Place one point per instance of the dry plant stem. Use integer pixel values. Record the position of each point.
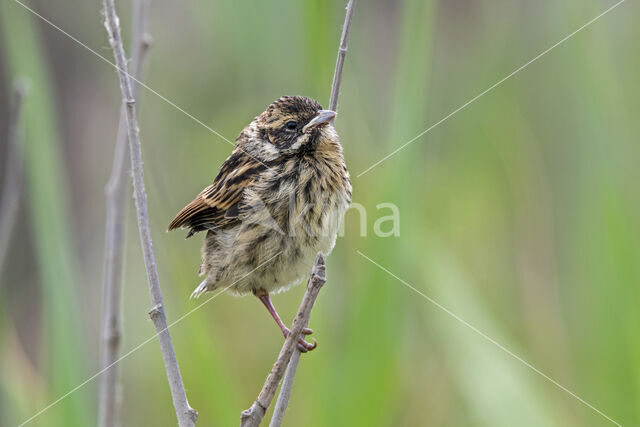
(253, 416)
(185, 414)
(285, 390)
(116, 205)
(289, 377)
(13, 173)
(342, 52)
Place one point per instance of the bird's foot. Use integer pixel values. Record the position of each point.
(201, 289)
(303, 345)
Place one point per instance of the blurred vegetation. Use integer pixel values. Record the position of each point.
(519, 213)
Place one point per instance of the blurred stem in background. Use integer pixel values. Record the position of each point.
(14, 167)
(64, 354)
(9, 207)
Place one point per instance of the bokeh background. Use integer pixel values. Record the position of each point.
(519, 213)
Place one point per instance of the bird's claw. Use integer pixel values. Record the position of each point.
(303, 345)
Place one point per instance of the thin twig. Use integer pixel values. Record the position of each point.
(13, 173)
(342, 52)
(116, 206)
(292, 367)
(285, 390)
(186, 415)
(253, 416)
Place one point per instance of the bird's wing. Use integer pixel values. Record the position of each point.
(217, 205)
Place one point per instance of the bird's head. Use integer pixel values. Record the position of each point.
(290, 124)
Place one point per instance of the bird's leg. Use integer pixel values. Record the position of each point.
(303, 345)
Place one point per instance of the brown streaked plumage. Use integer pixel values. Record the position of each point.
(277, 201)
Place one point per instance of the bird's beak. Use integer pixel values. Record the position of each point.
(323, 116)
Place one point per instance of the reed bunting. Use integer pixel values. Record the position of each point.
(277, 201)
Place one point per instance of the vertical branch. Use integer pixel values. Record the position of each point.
(116, 203)
(185, 414)
(292, 367)
(13, 173)
(253, 416)
(342, 53)
(285, 390)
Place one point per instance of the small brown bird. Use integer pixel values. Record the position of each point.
(277, 201)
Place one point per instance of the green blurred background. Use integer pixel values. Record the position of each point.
(520, 213)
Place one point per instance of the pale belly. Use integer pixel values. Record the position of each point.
(261, 254)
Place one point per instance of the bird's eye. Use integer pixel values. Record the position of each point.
(291, 125)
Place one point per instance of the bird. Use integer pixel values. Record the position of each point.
(276, 202)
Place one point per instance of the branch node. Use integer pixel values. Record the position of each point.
(113, 339)
(192, 414)
(156, 311)
(146, 41)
